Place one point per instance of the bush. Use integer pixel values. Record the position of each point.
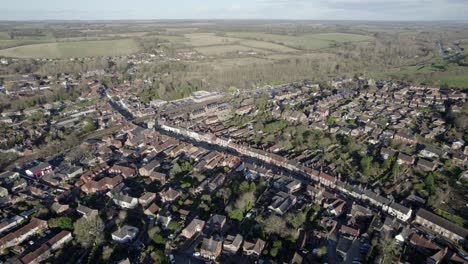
(61, 222)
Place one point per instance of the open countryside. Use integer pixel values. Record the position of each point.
(73, 49)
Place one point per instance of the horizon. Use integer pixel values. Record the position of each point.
(338, 10)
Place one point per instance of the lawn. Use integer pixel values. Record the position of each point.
(226, 49)
(307, 41)
(73, 49)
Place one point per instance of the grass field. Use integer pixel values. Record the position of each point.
(227, 49)
(73, 49)
(267, 46)
(456, 81)
(170, 38)
(228, 64)
(308, 41)
(342, 37)
(4, 35)
(208, 39)
(465, 46)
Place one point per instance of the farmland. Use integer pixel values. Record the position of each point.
(73, 49)
(207, 39)
(221, 50)
(306, 41)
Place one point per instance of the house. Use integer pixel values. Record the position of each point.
(125, 172)
(148, 168)
(282, 202)
(343, 246)
(232, 244)
(3, 192)
(216, 182)
(59, 208)
(399, 211)
(69, 172)
(125, 234)
(349, 231)
(195, 226)
(170, 195)
(14, 238)
(9, 177)
(376, 200)
(19, 185)
(146, 198)
(440, 226)
(422, 242)
(39, 170)
(86, 212)
(152, 210)
(315, 192)
(405, 159)
(216, 222)
(387, 153)
(46, 249)
(286, 184)
(254, 249)
(426, 165)
(157, 176)
(164, 220)
(10, 223)
(405, 137)
(103, 184)
(431, 151)
(123, 200)
(244, 110)
(210, 248)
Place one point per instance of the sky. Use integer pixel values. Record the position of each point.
(385, 10)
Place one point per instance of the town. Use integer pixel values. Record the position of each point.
(349, 171)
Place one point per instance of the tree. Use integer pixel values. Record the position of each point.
(154, 234)
(245, 201)
(244, 187)
(61, 222)
(395, 171)
(296, 219)
(89, 232)
(225, 194)
(389, 249)
(175, 170)
(158, 257)
(366, 165)
(90, 126)
(252, 187)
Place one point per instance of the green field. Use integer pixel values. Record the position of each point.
(73, 49)
(456, 81)
(267, 46)
(342, 37)
(4, 35)
(227, 49)
(308, 41)
(208, 39)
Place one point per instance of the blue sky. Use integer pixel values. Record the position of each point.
(235, 9)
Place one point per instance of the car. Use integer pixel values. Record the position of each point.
(171, 258)
(196, 254)
(31, 242)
